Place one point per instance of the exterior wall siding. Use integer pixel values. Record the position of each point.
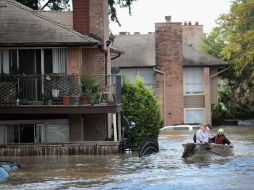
(207, 93)
(195, 101)
(169, 59)
(214, 86)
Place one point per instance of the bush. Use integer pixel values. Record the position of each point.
(140, 106)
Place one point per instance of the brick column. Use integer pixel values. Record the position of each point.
(169, 59)
(207, 93)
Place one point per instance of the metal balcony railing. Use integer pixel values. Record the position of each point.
(59, 89)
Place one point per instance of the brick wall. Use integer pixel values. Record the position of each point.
(169, 58)
(99, 22)
(91, 17)
(81, 19)
(74, 60)
(192, 35)
(93, 61)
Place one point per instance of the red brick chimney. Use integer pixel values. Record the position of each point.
(81, 16)
(91, 17)
(169, 59)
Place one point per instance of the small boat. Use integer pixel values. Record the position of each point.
(206, 151)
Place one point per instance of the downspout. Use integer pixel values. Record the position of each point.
(164, 93)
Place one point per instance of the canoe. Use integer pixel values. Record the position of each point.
(206, 151)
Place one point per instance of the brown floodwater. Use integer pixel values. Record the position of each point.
(164, 170)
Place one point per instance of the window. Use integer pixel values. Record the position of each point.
(147, 74)
(59, 60)
(193, 81)
(51, 132)
(57, 132)
(4, 62)
(194, 115)
(129, 74)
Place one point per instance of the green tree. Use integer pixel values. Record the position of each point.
(64, 5)
(233, 41)
(141, 107)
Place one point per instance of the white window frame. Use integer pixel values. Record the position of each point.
(190, 109)
(184, 80)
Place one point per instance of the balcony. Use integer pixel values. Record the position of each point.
(59, 94)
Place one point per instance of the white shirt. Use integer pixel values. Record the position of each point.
(202, 136)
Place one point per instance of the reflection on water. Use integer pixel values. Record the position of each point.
(164, 170)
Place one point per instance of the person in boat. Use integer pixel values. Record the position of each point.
(220, 138)
(201, 136)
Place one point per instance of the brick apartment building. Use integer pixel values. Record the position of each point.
(184, 80)
(46, 51)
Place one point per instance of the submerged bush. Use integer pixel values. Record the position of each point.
(141, 107)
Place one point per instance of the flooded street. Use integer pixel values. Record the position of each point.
(164, 170)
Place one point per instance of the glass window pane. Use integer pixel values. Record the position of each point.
(148, 76)
(59, 56)
(193, 80)
(129, 74)
(56, 132)
(194, 116)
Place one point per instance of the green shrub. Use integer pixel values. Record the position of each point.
(141, 107)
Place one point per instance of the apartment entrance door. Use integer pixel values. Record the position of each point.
(27, 133)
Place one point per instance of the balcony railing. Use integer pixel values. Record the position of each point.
(59, 89)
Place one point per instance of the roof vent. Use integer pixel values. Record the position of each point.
(124, 33)
(168, 18)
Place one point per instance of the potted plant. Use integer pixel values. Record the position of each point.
(90, 88)
(66, 98)
(66, 94)
(47, 98)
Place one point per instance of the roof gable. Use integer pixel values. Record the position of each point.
(21, 26)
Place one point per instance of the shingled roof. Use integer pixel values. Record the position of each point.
(22, 26)
(195, 58)
(140, 52)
